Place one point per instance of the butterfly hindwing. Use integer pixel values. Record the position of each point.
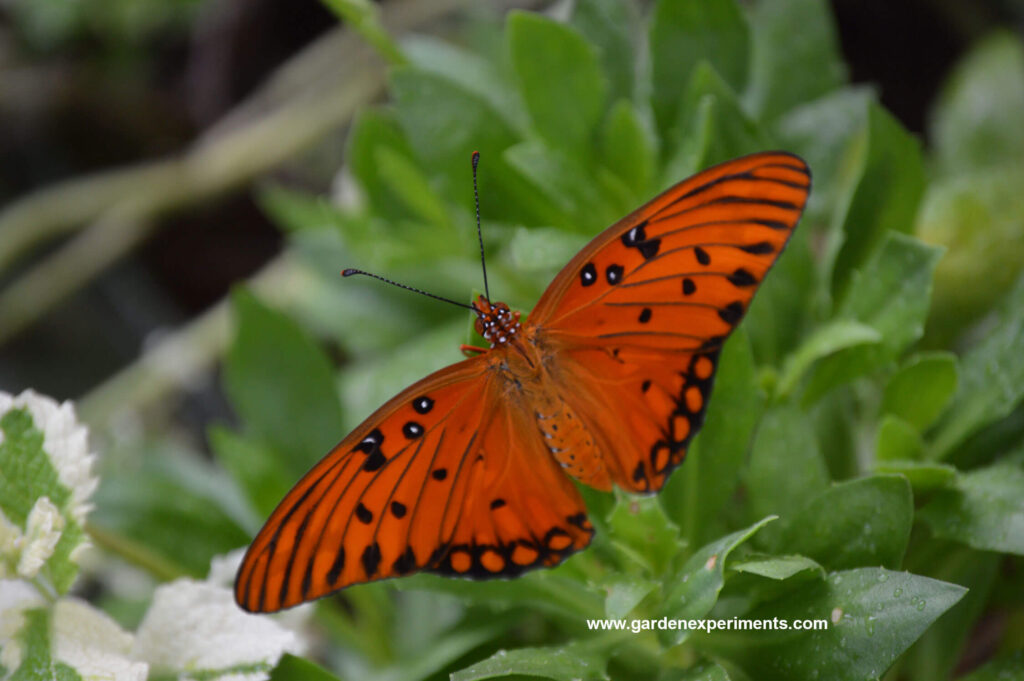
(523, 511)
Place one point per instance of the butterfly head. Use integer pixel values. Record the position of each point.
(496, 322)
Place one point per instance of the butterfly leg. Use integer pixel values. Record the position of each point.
(471, 350)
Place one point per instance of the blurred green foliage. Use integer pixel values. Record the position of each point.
(850, 468)
(119, 24)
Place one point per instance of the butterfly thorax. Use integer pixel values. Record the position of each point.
(496, 322)
(527, 370)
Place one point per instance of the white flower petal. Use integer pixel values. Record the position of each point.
(196, 626)
(16, 596)
(222, 573)
(93, 644)
(65, 441)
(42, 532)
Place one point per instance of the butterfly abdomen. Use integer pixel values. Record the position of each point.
(570, 441)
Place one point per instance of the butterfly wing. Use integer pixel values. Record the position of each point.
(642, 311)
(434, 480)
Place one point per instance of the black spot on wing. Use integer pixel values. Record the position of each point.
(588, 275)
(336, 566)
(741, 278)
(371, 559)
(760, 248)
(731, 313)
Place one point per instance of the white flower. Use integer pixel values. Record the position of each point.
(93, 644)
(16, 596)
(222, 572)
(195, 629)
(80, 636)
(65, 441)
(42, 532)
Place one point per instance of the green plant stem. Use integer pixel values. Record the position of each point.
(135, 553)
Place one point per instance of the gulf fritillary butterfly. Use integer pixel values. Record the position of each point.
(464, 472)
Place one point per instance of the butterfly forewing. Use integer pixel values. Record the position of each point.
(372, 507)
(638, 317)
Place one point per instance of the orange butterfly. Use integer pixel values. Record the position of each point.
(464, 473)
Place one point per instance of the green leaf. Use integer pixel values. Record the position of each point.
(181, 508)
(937, 653)
(412, 188)
(37, 663)
(560, 80)
(281, 384)
(696, 493)
(373, 130)
(890, 293)
(696, 586)
(638, 526)
(781, 311)
(686, 32)
(471, 72)
(444, 123)
(985, 509)
(291, 668)
(27, 474)
(921, 389)
(861, 522)
(26, 471)
(581, 203)
(923, 476)
(572, 662)
(883, 198)
(543, 248)
(779, 568)
(261, 472)
(628, 148)
(826, 340)
(975, 123)
(897, 440)
(796, 55)
(874, 615)
(823, 132)
(711, 126)
(786, 469)
(624, 593)
(991, 378)
(546, 591)
(979, 217)
(608, 25)
(705, 671)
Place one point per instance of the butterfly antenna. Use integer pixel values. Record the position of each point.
(350, 272)
(479, 234)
